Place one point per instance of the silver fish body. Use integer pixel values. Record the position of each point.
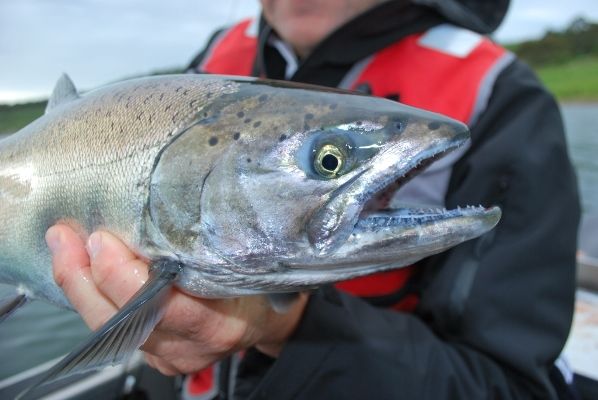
(252, 186)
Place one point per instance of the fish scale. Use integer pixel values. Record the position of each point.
(106, 160)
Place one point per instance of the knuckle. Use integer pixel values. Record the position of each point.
(103, 275)
(60, 277)
(225, 336)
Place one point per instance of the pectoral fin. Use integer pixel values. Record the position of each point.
(122, 334)
(10, 304)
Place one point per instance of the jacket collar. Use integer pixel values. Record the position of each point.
(359, 38)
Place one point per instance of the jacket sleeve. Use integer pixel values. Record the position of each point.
(494, 313)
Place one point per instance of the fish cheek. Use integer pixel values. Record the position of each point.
(176, 185)
(228, 219)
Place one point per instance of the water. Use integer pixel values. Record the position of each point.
(40, 332)
(36, 333)
(581, 123)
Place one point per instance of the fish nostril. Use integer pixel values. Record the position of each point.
(399, 126)
(433, 125)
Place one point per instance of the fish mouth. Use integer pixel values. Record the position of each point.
(356, 227)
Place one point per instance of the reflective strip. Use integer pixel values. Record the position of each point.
(452, 40)
(487, 86)
(287, 53)
(210, 52)
(235, 361)
(565, 369)
(253, 28)
(354, 73)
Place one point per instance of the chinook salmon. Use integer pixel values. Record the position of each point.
(230, 187)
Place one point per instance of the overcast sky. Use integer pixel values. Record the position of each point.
(98, 41)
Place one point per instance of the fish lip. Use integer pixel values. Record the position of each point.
(400, 175)
(408, 216)
(356, 258)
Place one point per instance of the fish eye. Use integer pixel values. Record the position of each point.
(329, 161)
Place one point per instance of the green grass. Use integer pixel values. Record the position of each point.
(13, 118)
(574, 80)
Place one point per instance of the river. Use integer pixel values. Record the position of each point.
(40, 332)
(581, 122)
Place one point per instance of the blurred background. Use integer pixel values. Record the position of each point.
(99, 41)
(102, 41)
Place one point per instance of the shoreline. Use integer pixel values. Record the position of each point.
(578, 102)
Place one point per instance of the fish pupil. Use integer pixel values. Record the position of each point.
(330, 162)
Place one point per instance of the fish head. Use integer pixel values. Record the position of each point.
(291, 179)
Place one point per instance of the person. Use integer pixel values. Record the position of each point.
(486, 319)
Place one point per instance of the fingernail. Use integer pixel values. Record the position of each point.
(53, 239)
(94, 244)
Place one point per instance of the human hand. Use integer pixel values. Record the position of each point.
(100, 278)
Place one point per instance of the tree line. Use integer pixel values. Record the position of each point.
(579, 39)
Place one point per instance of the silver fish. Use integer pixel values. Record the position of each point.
(230, 186)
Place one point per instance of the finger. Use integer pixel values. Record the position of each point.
(116, 270)
(72, 273)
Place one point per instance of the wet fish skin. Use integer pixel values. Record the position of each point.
(215, 173)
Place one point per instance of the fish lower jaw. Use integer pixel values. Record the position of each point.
(394, 235)
(406, 216)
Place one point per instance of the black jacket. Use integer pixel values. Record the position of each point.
(494, 312)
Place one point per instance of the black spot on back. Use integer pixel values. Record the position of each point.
(333, 106)
(248, 160)
(247, 120)
(240, 114)
(263, 98)
(309, 116)
(213, 141)
(257, 124)
(282, 137)
(236, 135)
(433, 125)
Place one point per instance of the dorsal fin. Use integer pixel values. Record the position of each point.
(64, 91)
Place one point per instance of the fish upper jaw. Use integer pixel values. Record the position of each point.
(334, 222)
